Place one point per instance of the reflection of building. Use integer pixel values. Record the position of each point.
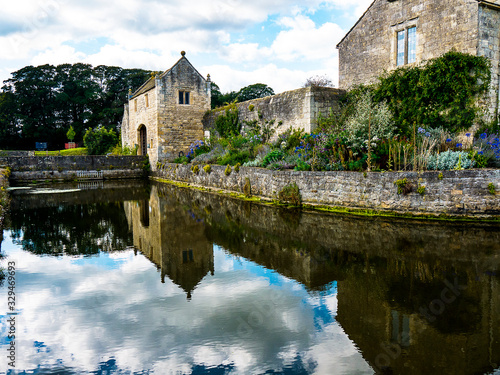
(406, 325)
(173, 239)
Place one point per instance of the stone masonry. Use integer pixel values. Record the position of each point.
(164, 116)
(455, 193)
(296, 109)
(469, 26)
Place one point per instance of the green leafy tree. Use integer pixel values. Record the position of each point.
(255, 91)
(98, 141)
(71, 134)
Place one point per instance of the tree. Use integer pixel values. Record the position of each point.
(71, 134)
(318, 81)
(98, 141)
(255, 91)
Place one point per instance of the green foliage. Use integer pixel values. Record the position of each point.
(450, 160)
(227, 171)
(237, 167)
(441, 93)
(251, 107)
(302, 166)
(290, 194)
(119, 150)
(71, 133)
(227, 124)
(207, 168)
(370, 122)
(38, 103)
(273, 157)
(98, 141)
(255, 91)
(421, 190)
(404, 186)
(234, 157)
(491, 188)
(181, 159)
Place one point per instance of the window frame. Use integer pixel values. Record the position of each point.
(408, 45)
(184, 97)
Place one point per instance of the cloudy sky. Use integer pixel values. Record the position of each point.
(238, 42)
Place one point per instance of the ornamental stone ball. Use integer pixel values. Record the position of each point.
(183, 53)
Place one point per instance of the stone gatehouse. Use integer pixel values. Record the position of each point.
(394, 33)
(164, 116)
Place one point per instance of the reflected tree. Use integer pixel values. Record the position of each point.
(72, 229)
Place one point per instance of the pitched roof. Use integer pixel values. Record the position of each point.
(492, 3)
(151, 83)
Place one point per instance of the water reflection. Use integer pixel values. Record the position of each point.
(216, 285)
(415, 297)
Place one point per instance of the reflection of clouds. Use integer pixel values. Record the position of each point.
(86, 314)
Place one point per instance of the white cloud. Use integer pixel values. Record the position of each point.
(150, 34)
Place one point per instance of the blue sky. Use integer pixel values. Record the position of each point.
(238, 42)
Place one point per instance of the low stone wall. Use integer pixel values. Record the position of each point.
(66, 167)
(455, 193)
(298, 109)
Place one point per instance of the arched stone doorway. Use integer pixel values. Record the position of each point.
(143, 140)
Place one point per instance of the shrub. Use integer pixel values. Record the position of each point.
(227, 171)
(290, 194)
(450, 160)
(195, 169)
(234, 157)
(273, 157)
(227, 124)
(99, 140)
(302, 166)
(404, 186)
(181, 160)
(237, 167)
(491, 188)
(207, 168)
(368, 119)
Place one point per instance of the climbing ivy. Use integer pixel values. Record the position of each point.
(442, 93)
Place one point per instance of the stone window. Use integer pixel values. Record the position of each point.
(406, 46)
(184, 97)
(147, 100)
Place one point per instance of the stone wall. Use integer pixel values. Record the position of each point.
(457, 193)
(298, 109)
(370, 47)
(66, 167)
(489, 46)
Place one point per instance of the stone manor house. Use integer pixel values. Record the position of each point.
(167, 114)
(395, 33)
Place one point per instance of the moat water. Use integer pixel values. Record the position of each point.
(131, 278)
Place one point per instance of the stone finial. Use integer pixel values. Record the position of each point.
(208, 77)
(183, 53)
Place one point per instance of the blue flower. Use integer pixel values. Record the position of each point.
(459, 145)
(468, 135)
(427, 134)
(484, 136)
(448, 140)
(421, 130)
(480, 152)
